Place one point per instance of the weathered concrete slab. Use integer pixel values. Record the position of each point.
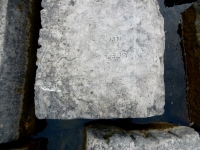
(150, 137)
(17, 117)
(100, 59)
(191, 50)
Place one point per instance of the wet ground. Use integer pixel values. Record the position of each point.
(69, 134)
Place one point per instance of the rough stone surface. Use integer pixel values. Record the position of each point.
(191, 50)
(3, 12)
(14, 42)
(100, 59)
(174, 138)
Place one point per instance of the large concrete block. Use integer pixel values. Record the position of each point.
(100, 59)
(17, 116)
(147, 137)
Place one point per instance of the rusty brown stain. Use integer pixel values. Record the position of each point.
(192, 64)
(18, 90)
(19, 6)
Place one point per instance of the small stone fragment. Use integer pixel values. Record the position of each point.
(26, 144)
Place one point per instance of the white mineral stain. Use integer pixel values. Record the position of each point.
(1, 125)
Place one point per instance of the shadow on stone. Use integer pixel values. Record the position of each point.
(29, 122)
(191, 52)
(126, 125)
(26, 144)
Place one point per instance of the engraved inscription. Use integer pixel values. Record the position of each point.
(116, 55)
(113, 55)
(115, 39)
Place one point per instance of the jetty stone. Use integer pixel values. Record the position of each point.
(9, 98)
(173, 138)
(17, 117)
(100, 59)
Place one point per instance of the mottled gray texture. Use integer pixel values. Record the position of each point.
(3, 13)
(100, 59)
(13, 44)
(176, 138)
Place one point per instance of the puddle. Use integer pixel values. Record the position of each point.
(69, 134)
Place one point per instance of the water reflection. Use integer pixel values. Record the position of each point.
(171, 3)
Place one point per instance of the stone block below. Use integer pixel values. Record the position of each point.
(150, 137)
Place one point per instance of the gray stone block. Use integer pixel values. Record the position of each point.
(100, 59)
(156, 138)
(14, 51)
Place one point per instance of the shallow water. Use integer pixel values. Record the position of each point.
(69, 134)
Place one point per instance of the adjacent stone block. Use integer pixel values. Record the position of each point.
(17, 116)
(145, 138)
(191, 51)
(100, 59)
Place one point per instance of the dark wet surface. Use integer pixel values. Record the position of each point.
(190, 33)
(69, 134)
